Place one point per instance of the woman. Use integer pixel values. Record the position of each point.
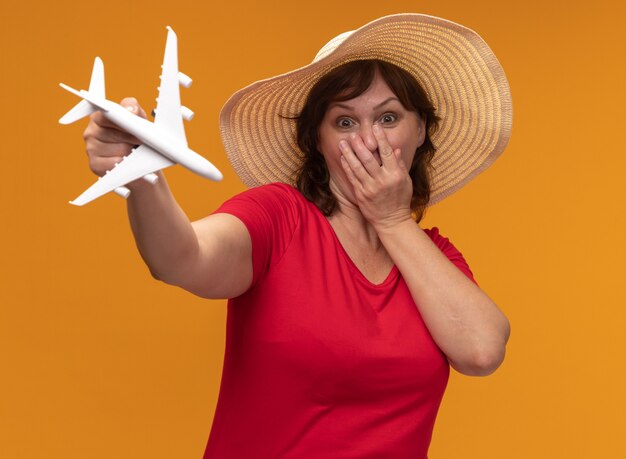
(343, 314)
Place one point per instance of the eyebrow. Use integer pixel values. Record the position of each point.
(348, 107)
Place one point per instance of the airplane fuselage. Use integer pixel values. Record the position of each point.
(157, 138)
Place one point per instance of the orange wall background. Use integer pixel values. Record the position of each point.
(97, 360)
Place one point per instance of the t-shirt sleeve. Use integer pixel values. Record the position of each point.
(270, 213)
(450, 251)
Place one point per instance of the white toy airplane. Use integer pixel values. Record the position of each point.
(164, 141)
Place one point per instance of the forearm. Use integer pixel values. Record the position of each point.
(464, 322)
(163, 233)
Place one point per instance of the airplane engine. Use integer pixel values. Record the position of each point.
(184, 80)
(187, 113)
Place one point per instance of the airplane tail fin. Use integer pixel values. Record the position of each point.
(96, 89)
(96, 85)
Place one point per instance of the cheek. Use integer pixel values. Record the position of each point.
(328, 145)
(327, 151)
(404, 141)
(407, 142)
(408, 158)
(421, 132)
(322, 140)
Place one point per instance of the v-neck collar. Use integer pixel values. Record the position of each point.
(389, 278)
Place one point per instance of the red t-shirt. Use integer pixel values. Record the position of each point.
(320, 362)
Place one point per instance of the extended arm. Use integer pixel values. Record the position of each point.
(210, 257)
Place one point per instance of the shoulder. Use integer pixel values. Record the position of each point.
(271, 214)
(273, 199)
(269, 191)
(449, 250)
(438, 239)
(275, 188)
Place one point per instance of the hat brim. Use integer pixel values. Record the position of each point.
(457, 69)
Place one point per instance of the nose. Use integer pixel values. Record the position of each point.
(367, 134)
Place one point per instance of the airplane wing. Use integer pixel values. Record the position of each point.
(143, 160)
(168, 110)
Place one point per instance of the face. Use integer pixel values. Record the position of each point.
(353, 118)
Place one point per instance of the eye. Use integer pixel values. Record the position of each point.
(345, 123)
(388, 118)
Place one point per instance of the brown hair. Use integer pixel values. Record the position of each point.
(346, 82)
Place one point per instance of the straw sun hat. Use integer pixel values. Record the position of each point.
(456, 68)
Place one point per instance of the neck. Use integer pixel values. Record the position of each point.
(348, 219)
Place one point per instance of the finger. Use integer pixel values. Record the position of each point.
(131, 104)
(364, 155)
(389, 160)
(103, 156)
(99, 119)
(97, 148)
(349, 173)
(401, 164)
(109, 133)
(355, 165)
(99, 165)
